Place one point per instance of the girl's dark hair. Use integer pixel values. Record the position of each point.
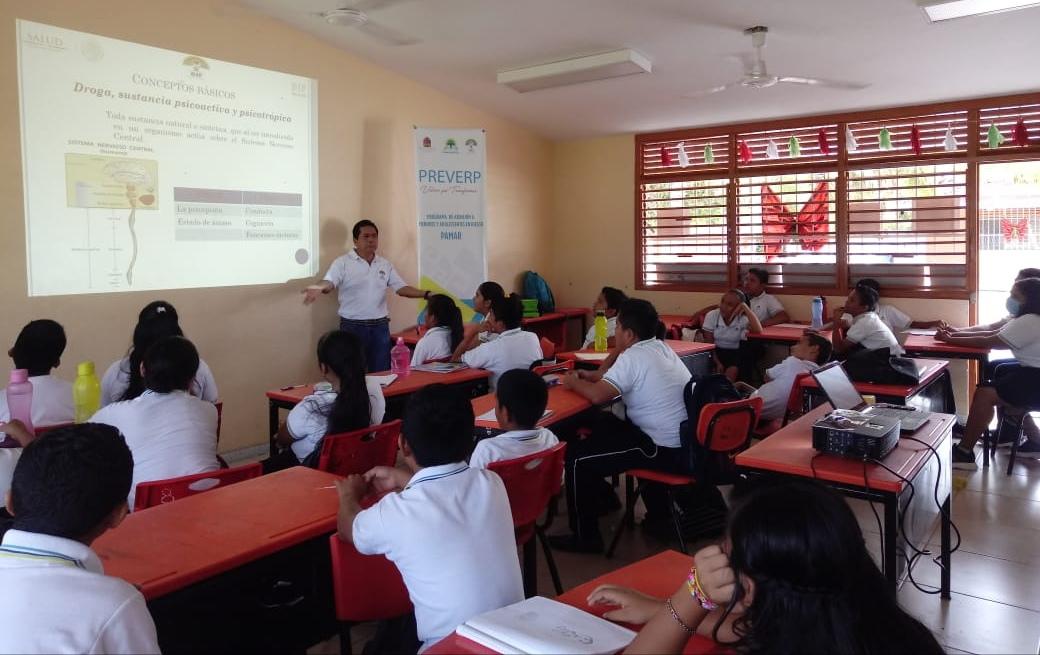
(867, 297)
(342, 353)
(447, 313)
(739, 293)
(491, 290)
(158, 308)
(509, 310)
(150, 330)
(170, 364)
(614, 297)
(816, 588)
(1030, 288)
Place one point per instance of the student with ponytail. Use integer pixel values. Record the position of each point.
(443, 330)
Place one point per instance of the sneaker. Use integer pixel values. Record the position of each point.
(571, 543)
(964, 459)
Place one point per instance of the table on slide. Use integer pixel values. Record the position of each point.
(659, 576)
(932, 393)
(696, 356)
(563, 405)
(908, 483)
(205, 550)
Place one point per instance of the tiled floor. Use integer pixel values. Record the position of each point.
(995, 577)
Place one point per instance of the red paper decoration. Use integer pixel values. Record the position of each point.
(666, 158)
(915, 140)
(810, 224)
(777, 223)
(744, 152)
(812, 220)
(821, 137)
(1020, 135)
(1015, 229)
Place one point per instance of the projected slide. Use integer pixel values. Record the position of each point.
(147, 169)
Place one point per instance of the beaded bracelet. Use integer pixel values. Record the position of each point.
(693, 585)
(678, 619)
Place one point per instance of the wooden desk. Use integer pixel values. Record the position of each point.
(580, 313)
(918, 345)
(473, 380)
(785, 333)
(934, 392)
(205, 550)
(564, 404)
(789, 452)
(658, 576)
(696, 356)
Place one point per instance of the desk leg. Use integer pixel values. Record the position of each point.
(944, 555)
(888, 542)
(272, 424)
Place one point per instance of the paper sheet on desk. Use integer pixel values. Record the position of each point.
(921, 332)
(383, 380)
(592, 357)
(490, 416)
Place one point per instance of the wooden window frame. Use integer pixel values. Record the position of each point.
(972, 155)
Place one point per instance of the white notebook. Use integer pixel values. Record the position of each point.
(592, 357)
(383, 380)
(539, 626)
(490, 416)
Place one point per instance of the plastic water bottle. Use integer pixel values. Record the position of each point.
(86, 392)
(817, 312)
(400, 358)
(599, 327)
(19, 397)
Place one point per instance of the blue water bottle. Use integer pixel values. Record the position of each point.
(817, 312)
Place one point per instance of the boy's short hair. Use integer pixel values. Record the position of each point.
(761, 273)
(867, 297)
(70, 479)
(870, 283)
(826, 349)
(438, 425)
(524, 394)
(170, 364)
(614, 297)
(39, 346)
(640, 316)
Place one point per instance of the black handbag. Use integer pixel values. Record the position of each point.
(881, 367)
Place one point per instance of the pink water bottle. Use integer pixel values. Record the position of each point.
(400, 358)
(19, 400)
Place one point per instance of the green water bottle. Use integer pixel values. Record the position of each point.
(86, 392)
(600, 331)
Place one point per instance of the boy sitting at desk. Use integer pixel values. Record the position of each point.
(608, 300)
(70, 486)
(808, 354)
(867, 332)
(38, 349)
(448, 527)
(521, 398)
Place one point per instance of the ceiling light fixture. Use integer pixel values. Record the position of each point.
(618, 63)
(939, 10)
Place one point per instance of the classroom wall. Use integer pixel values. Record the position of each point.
(260, 337)
(593, 238)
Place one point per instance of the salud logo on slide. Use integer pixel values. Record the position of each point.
(198, 64)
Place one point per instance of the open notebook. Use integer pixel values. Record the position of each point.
(539, 625)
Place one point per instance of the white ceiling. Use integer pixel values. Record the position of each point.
(692, 44)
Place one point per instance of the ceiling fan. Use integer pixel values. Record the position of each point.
(756, 75)
(356, 16)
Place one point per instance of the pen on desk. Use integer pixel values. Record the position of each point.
(292, 386)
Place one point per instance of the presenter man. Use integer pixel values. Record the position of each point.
(362, 278)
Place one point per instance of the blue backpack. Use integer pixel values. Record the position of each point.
(535, 286)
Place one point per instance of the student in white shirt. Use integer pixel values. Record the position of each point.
(896, 320)
(1013, 384)
(443, 330)
(513, 348)
(766, 307)
(479, 331)
(608, 300)
(38, 349)
(650, 378)
(446, 526)
(727, 327)
(123, 380)
(59, 599)
(808, 354)
(989, 327)
(170, 432)
(867, 332)
(354, 402)
(521, 399)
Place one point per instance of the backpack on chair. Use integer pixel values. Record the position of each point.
(704, 464)
(534, 286)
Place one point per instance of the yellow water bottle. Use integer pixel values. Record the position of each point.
(600, 331)
(86, 392)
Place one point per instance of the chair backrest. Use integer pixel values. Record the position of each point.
(365, 587)
(531, 482)
(159, 492)
(727, 427)
(548, 348)
(558, 367)
(794, 399)
(360, 450)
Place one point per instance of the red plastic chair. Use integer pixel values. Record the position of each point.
(531, 484)
(159, 492)
(721, 428)
(365, 588)
(548, 348)
(558, 367)
(793, 410)
(358, 451)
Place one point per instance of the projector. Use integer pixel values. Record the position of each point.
(849, 433)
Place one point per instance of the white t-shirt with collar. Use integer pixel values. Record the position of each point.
(512, 349)
(590, 336)
(450, 533)
(765, 306)
(362, 286)
(169, 434)
(890, 315)
(435, 344)
(117, 378)
(59, 600)
(777, 390)
(309, 419)
(726, 335)
(869, 331)
(650, 378)
(51, 401)
(510, 445)
(1022, 335)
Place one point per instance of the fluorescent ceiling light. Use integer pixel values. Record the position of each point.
(938, 10)
(618, 63)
